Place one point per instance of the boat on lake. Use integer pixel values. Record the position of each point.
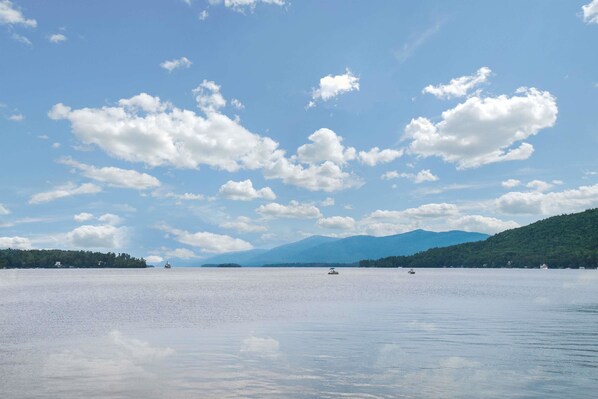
(332, 271)
(167, 266)
(544, 266)
(411, 271)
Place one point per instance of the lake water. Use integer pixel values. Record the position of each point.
(298, 333)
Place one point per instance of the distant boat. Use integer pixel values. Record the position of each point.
(582, 268)
(411, 271)
(167, 266)
(544, 266)
(332, 271)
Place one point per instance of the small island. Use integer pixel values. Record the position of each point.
(61, 259)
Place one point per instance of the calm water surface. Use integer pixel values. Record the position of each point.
(298, 333)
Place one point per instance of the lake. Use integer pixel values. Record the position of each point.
(298, 333)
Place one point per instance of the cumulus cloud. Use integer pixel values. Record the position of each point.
(146, 129)
(237, 104)
(590, 12)
(202, 16)
(9, 15)
(83, 217)
(110, 218)
(243, 224)
(171, 65)
(325, 145)
(209, 242)
(434, 217)
(67, 190)
(100, 236)
(337, 223)
(483, 130)
(244, 5)
(181, 253)
(332, 86)
(244, 191)
(419, 177)
(510, 183)
(539, 185)
(459, 87)
(184, 197)
(115, 177)
(374, 156)
(553, 203)
(328, 201)
(57, 38)
(15, 242)
(153, 259)
(16, 118)
(294, 209)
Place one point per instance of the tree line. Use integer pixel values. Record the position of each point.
(55, 258)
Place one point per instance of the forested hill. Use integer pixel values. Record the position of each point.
(560, 242)
(55, 258)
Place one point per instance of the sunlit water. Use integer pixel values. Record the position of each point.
(298, 333)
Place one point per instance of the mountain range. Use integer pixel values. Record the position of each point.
(320, 249)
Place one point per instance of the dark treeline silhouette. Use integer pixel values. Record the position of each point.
(55, 258)
(560, 242)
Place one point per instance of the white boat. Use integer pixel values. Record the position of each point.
(411, 271)
(544, 266)
(332, 271)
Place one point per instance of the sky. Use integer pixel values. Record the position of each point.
(180, 129)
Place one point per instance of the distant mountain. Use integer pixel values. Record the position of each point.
(319, 249)
(559, 241)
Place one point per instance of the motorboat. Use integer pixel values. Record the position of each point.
(332, 271)
(167, 266)
(411, 271)
(544, 266)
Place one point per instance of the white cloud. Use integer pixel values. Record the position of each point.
(171, 65)
(243, 224)
(57, 38)
(375, 156)
(329, 201)
(16, 117)
(111, 219)
(295, 209)
(244, 191)
(145, 129)
(459, 87)
(21, 39)
(56, 145)
(83, 217)
(327, 176)
(209, 242)
(326, 146)
(590, 12)
(483, 130)
(184, 197)
(113, 176)
(237, 104)
(553, 203)
(9, 15)
(244, 5)
(101, 236)
(481, 224)
(203, 15)
(67, 190)
(510, 183)
(337, 223)
(332, 86)
(419, 177)
(433, 217)
(153, 259)
(539, 185)
(181, 253)
(15, 242)
(4, 210)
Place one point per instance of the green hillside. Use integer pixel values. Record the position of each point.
(34, 258)
(560, 242)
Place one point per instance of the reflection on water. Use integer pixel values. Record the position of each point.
(297, 333)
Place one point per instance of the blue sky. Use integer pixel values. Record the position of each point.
(182, 129)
